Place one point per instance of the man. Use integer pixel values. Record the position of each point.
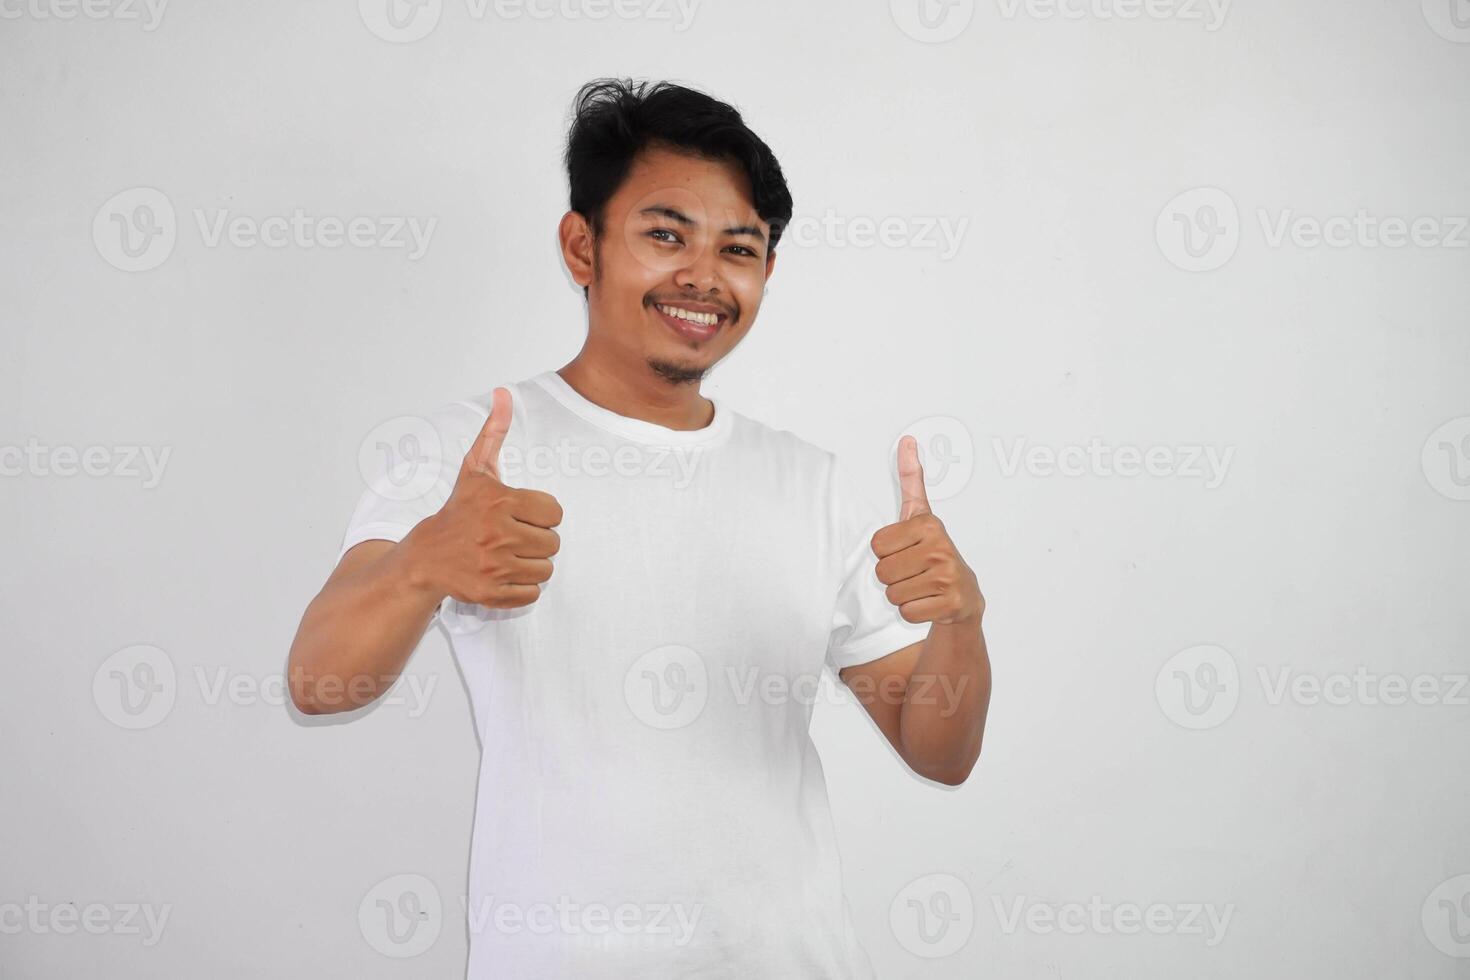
(650, 802)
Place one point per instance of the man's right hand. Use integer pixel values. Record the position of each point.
(489, 544)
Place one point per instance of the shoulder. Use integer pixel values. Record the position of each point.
(782, 444)
(450, 428)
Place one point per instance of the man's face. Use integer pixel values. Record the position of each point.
(680, 267)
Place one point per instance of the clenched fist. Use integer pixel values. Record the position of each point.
(926, 577)
(489, 544)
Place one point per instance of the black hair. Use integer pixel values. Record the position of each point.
(615, 118)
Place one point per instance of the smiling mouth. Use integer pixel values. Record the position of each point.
(692, 324)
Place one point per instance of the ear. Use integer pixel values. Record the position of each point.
(577, 247)
(770, 264)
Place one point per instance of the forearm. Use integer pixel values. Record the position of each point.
(942, 721)
(359, 631)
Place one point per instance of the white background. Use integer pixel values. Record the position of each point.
(1335, 541)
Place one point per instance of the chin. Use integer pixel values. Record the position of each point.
(678, 370)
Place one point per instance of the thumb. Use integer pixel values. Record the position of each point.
(484, 454)
(911, 480)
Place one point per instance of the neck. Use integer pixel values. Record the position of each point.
(639, 393)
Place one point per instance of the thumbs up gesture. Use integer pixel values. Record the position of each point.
(926, 577)
(489, 544)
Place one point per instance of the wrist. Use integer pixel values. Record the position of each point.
(414, 567)
(970, 617)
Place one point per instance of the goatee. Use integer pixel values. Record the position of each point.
(675, 373)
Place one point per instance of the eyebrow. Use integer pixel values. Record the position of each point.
(679, 217)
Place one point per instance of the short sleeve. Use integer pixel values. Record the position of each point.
(409, 466)
(865, 625)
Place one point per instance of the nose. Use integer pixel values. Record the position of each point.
(701, 274)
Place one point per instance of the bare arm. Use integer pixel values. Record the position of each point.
(930, 700)
(360, 630)
(489, 544)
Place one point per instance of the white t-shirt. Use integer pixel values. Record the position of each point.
(650, 802)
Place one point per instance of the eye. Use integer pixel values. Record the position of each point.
(744, 251)
(656, 234)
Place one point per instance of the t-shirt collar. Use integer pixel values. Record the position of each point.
(637, 430)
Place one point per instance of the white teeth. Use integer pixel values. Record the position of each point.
(706, 319)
